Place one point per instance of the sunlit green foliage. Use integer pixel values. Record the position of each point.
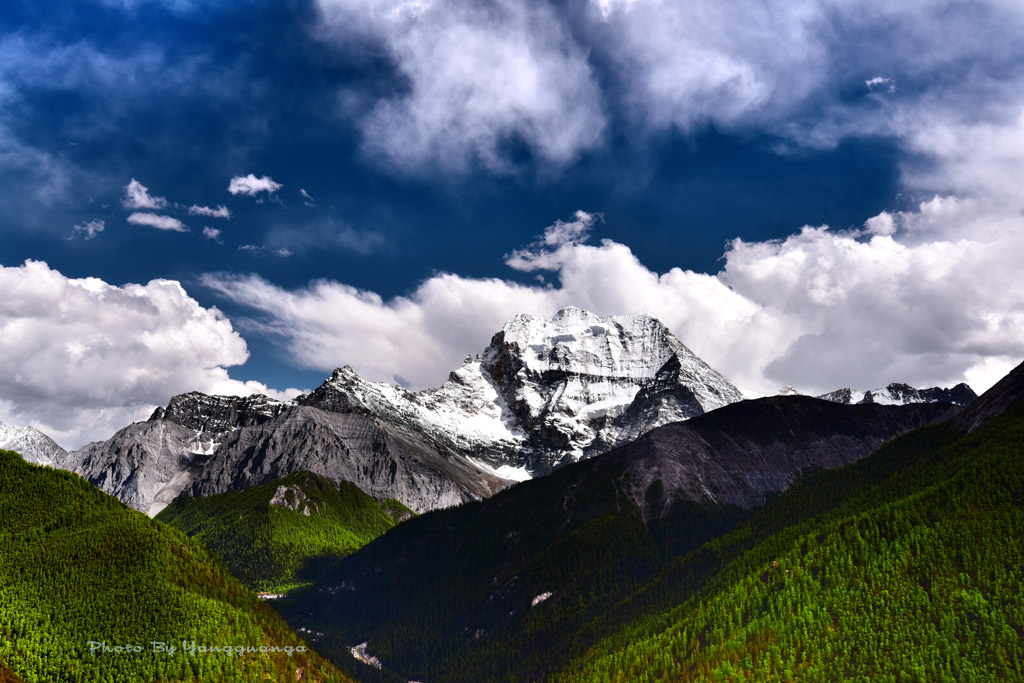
(905, 566)
(76, 565)
(271, 547)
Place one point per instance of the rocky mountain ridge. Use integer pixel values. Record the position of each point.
(543, 393)
(898, 393)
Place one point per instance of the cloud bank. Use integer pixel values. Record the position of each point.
(560, 78)
(818, 310)
(83, 358)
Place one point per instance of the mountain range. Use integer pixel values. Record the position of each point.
(545, 392)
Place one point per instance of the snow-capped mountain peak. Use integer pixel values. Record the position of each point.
(901, 394)
(33, 445)
(547, 390)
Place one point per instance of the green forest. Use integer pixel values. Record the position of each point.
(903, 567)
(79, 566)
(274, 547)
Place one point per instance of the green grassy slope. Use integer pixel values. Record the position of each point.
(273, 546)
(905, 566)
(76, 565)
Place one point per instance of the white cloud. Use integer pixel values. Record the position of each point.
(878, 82)
(251, 185)
(552, 75)
(157, 221)
(211, 233)
(305, 195)
(91, 229)
(83, 358)
(478, 82)
(686, 65)
(263, 249)
(818, 310)
(220, 212)
(544, 253)
(136, 196)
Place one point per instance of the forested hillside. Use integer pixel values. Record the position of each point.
(77, 565)
(905, 566)
(286, 531)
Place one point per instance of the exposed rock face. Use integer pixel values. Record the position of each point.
(546, 392)
(380, 459)
(902, 394)
(146, 464)
(33, 445)
(216, 414)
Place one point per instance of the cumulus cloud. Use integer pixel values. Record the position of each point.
(89, 230)
(554, 77)
(818, 310)
(83, 358)
(136, 196)
(220, 212)
(544, 253)
(211, 233)
(251, 185)
(157, 221)
(479, 82)
(305, 196)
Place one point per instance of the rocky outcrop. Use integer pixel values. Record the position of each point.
(380, 459)
(146, 465)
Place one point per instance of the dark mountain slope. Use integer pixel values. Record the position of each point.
(902, 566)
(76, 565)
(449, 595)
(285, 531)
(1003, 395)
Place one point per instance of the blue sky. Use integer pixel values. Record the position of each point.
(815, 192)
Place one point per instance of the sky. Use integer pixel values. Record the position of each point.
(238, 197)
